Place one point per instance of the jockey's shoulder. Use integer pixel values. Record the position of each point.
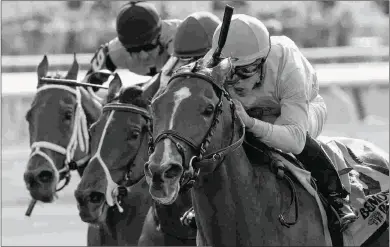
(285, 51)
(283, 42)
(115, 45)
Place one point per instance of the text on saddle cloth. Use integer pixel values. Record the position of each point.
(373, 214)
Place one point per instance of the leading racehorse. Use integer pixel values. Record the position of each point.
(237, 199)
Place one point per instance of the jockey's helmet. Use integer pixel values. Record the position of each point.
(138, 24)
(195, 34)
(247, 42)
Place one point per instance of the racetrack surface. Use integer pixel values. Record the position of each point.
(50, 224)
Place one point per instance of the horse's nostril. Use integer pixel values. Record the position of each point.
(173, 171)
(45, 176)
(96, 197)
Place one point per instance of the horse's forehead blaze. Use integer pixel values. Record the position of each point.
(178, 97)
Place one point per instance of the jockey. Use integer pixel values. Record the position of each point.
(192, 41)
(271, 74)
(144, 42)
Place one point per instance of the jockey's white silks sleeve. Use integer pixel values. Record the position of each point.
(317, 116)
(288, 132)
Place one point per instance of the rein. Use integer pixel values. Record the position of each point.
(201, 161)
(115, 192)
(192, 170)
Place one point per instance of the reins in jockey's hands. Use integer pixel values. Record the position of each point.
(248, 121)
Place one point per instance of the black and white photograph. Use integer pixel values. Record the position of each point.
(195, 123)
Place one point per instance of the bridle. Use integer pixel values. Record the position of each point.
(79, 138)
(115, 192)
(192, 168)
(202, 161)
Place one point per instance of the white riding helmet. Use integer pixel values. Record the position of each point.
(247, 40)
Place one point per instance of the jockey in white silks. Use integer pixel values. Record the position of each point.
(271, 74)
(144, 43)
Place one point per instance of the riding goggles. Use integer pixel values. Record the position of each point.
(146, 48)
(246, 71)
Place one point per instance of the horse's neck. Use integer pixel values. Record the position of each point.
(169, 215)
(233, 202)
(128, 225)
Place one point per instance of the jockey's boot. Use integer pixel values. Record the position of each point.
(328, 181)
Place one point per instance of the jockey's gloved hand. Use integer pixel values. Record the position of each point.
(241, 112)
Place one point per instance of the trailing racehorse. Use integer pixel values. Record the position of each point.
(58, 120)
(114, 176)
(238, 197)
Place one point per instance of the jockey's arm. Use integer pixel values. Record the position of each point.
(101, 60)
(288, 132)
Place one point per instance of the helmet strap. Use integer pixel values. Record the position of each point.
(262, 65)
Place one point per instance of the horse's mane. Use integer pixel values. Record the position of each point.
(133, 95)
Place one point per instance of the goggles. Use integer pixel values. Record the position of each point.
(246, 71)
(146, 48)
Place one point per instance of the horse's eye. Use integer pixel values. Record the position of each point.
(133, 135)
(68, 115)
(209, 110)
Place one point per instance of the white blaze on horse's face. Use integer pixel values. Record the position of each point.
(178, 97)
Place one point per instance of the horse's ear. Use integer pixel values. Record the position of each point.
(114, 88)
(43, 67)
(74, 70)
(151, 87)
(221, 72)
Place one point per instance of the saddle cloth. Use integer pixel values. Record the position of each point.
(373, 209)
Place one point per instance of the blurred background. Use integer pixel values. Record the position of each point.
(346, 41)
(36, 27)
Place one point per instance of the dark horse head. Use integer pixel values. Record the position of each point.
(58, 126)
(119, 148)
(185, 118)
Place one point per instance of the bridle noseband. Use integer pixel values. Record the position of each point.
(192, 168)
(115, 193)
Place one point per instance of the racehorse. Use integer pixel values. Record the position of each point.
(237, 196)
(119, 143)
(58, 120)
